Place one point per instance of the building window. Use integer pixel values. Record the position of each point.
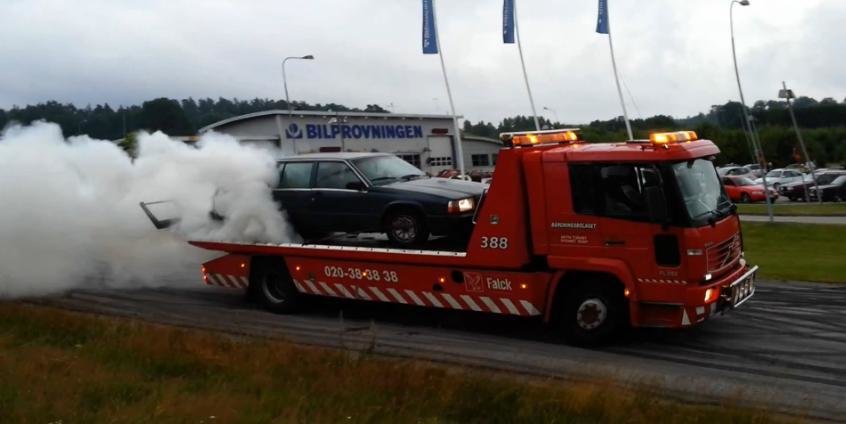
(412, 158)
(494, 157)
(440, 161)
(480, 160)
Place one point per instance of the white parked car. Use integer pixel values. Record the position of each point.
(777, 177)
(735, 171)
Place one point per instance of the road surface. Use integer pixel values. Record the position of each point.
(784, 350)
(836, 220)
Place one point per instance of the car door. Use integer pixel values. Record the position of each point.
(732, 190)
(339, 199)
(293, 192)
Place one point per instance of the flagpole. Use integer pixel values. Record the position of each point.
(617, 80)
(458, 148)
(523, 64)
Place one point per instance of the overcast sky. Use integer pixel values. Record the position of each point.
(674, 55)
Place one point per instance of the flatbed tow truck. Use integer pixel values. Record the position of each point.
(592, 238)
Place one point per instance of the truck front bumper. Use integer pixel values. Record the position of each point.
(700, 302)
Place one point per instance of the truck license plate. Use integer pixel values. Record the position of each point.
(742, 291)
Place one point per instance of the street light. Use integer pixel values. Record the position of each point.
(787, 94)
(554, 113)
(747, 122)
(285, 80)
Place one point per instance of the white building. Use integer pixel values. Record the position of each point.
(425, 141)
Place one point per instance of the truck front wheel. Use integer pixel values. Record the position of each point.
(275, 290)
(593, 314)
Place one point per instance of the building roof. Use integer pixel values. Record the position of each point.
(471, 137)
(334, 155)
(321, 113)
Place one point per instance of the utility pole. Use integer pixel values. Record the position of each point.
(787, 94)
(748, 125)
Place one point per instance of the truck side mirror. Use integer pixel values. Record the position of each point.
(657, 205)
(356, 185)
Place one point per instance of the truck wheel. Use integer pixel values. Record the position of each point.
(744, 198)
(275, 290)
(593, 313)
(406, 227)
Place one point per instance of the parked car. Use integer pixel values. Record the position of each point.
(835, 191)
(744, 190)
(734, 171)
(364, 192)
(796, 191)
(778, 177)
(755, 170)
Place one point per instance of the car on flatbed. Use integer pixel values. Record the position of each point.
(372, 192)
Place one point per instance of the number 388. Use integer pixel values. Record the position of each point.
(494, 242)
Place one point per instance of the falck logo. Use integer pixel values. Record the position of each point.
(294, 132)
(473, 282)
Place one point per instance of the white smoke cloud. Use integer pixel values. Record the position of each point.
(69, 214)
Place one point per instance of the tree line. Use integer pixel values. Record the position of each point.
(823, 126)
(823, 123)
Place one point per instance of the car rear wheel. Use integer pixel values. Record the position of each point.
(744, 198)
(405, 227)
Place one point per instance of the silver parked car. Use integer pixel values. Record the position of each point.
(777, 177)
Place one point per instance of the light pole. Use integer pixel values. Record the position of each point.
(787, 94)
(285, 80)
(554, 113)
(747, 123)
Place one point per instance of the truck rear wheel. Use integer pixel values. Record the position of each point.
(275, 290)
(593, 313)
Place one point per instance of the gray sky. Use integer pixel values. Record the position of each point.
(674, 55)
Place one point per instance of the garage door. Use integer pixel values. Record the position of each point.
(440, 155)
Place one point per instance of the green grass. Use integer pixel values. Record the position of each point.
(795, 209)
(806, 252)
(58, 366)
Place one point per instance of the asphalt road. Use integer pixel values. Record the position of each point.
(784, 350)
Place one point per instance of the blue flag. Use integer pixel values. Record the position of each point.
(508, 21)
(602, 19)
(430, 36)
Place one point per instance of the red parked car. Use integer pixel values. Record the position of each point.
(744, 190)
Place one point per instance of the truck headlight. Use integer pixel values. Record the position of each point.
(461, 205)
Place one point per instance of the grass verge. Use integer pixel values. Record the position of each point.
(58, 366)
(795, 209)
(805, 252)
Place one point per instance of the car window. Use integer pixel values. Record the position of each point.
(334, 175)
(728, 182)
(774, 174)
(296, 175)
(611, 190)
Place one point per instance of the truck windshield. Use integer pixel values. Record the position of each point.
(701, 190)
(387, 169)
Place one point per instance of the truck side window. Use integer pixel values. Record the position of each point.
(613, 190)
(296, 175)
(582, 187)
(334, 175)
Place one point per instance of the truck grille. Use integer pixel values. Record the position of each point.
(723, 254)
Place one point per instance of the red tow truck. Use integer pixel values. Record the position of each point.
(590, 237)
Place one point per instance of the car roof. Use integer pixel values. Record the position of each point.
(333, 155)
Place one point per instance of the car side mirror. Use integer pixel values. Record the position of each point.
(657, 205)
(356, 185)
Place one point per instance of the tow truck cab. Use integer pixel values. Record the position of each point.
(591, 237)
(650, 214)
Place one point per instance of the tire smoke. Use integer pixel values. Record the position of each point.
(70, 215)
